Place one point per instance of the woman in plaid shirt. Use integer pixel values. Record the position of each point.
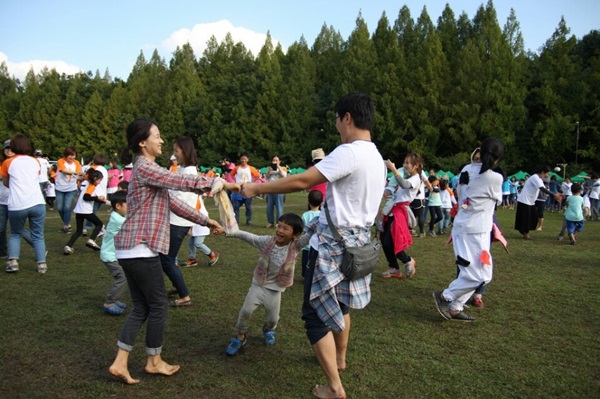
(143, 236)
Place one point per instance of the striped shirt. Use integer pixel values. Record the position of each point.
(149, 203)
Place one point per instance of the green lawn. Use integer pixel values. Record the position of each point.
(537, 337)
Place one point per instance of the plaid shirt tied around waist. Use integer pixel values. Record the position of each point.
(329, 285)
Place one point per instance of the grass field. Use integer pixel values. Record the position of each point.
(537, 337)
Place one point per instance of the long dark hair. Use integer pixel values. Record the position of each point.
(492, 150)
(188, 149)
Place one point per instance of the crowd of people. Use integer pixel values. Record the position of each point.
(155, 208)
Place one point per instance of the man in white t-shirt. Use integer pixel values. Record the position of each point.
(355, 176)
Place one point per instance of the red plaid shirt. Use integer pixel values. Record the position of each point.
(149, 203)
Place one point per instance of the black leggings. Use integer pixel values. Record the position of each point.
(79, 218)
(436, 215)
(417, 207)
(387, 242)
(315, 328)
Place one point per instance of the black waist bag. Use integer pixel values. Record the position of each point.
(358, 262)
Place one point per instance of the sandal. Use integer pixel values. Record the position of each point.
(177, 303)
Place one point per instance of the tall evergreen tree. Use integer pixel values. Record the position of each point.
(554, 98)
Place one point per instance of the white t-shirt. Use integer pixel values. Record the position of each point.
(566, 188)
(45, 165)
(477, 200)
(356, 179)
(22, 170)
(101, 188)
(447, 199)
(83, 206)
(198, 229)
(243, 175)
(530, 190)
(187, 197)
(50, 191)
(408, 194)
(595, 191)
(421, 191)
(3, 194)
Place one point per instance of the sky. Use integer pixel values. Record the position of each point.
(83, 35)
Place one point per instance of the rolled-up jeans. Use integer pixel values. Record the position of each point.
(149, 296)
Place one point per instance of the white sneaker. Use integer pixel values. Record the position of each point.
(409, 268)
(42, 268)
(102, 232)
(68, 250)
(92, 244)
(12, 267)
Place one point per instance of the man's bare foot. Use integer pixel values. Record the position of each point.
(324, 392)
(122, 375)
(341, 365)
(161, 367)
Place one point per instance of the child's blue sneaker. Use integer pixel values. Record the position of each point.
(113, 309)
(121, 304)
(269, 337)
(234, 346)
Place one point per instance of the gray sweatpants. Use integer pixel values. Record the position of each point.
(258, 295)
(119, 287)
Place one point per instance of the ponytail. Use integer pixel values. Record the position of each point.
(492, 150)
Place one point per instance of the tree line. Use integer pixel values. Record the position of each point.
(439, 89)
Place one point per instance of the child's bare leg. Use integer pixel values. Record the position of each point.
(120, 370)
(155, 365)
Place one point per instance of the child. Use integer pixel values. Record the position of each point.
(434, 204)
(273, 274)
(574, 214)
(479, 191)
(50, 193)
(112, 304)
(199, 232)
(123, 186)
(448, 201)
(315, 199)
(84, 211)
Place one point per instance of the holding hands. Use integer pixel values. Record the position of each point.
(215, 227)
(248, 190)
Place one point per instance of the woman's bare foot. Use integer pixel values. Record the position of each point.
(341, 365)
(325, 392)
(159, 366)
(123, 375)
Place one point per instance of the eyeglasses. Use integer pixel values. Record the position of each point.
(336, 117)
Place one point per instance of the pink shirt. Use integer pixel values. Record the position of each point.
(113, 178)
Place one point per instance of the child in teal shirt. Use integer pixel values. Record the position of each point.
(574, 213)
(315, 199)
(112, 304)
